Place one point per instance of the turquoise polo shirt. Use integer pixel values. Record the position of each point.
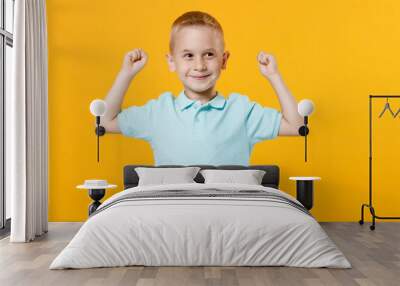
(182, 131)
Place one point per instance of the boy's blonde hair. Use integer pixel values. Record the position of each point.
(194, 18)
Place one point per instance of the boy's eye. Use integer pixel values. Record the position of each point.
(210, 54)
(188, 56)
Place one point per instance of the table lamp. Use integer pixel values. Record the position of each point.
(305, 108)
(98, 108)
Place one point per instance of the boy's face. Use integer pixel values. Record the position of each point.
(198, 57)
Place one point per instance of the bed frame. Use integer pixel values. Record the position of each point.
(270, 179)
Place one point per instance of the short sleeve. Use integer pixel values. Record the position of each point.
(137, 121)
(262, 123)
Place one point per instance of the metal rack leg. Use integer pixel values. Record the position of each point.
(372, 210)
(361, 221)
(374, 216)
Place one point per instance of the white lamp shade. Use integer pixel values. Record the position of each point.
(98, 107)
(305, 107)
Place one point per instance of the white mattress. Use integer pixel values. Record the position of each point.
(200, 231)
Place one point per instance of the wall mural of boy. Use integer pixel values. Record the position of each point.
(200, 125)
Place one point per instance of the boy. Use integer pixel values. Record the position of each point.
(199, 126)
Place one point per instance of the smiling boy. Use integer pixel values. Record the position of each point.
(200, 125)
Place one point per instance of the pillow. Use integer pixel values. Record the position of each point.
(249, 177)
(162, 176)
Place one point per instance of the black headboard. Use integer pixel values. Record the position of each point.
(270, 179)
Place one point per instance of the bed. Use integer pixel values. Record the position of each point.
(201, 224)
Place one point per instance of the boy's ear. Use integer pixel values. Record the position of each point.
(171, 63)
(225, 58)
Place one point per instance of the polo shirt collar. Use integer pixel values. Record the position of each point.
(183, 101)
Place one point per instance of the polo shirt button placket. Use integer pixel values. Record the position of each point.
(196, 116)
(195, 119)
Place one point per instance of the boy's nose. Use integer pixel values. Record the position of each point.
(200, 65)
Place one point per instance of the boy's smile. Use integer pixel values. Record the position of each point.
(198, 57)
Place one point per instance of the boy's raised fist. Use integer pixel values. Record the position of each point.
(134, 61)
(267, 64)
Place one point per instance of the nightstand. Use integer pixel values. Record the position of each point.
(305, 190)
(97, 190)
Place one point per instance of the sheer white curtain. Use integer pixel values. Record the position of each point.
(27, 124)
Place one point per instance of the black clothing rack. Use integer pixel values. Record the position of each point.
(370, 206)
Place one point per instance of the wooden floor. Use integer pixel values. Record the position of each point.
(375, 256)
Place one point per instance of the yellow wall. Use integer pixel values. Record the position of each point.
(333, 52)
